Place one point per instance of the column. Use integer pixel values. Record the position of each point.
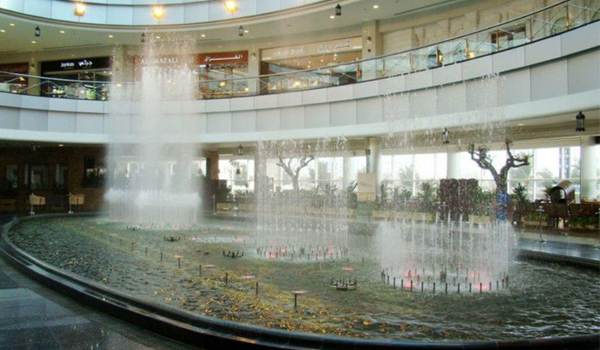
(350, 170)
(453, 162)
(33, 83)
(372, 46)
(212, 165)
(588, 164)
(373, 157)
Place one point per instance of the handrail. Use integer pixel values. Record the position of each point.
(464, 52)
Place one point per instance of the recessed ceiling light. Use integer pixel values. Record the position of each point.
(11, 24)
(520, 124)
(375, 6)
(2, 31)
(110, 36)
(33, 42)
(246, 31)
(332, 16)
(203, 35)
(60, 145)
(62, 32)
(157, 37)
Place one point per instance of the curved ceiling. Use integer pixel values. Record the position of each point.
(17, 30)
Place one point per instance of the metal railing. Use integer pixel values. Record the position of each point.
(552, 20)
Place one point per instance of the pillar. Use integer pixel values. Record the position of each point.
(34, 69)
(372, 46)
(453, 162)
(373, 153)
(350, 170)
(253, 70)
(212, 165)
(588, 164)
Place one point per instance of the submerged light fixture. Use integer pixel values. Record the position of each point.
(79, 9)
(38, 31)
(445, 136)
(580, 118)
(338, 10)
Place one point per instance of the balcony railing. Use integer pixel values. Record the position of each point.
(546, 22)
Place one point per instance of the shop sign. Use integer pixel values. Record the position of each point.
(222, 58)
(367, 187)
(157, 61)
(19, 68)
(77, 64)
(325, 47)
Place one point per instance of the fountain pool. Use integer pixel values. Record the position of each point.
(194, 275)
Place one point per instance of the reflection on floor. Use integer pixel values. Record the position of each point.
(34, 317)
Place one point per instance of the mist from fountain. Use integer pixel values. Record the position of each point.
(303, 225)
(150, 155)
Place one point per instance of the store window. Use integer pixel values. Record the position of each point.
(12, 176)
(36, 177)
(83, 78)
(223, 74)
(323, 59)
(13, 83)
(505, 38)
(61, 178)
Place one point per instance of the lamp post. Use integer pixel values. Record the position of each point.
(540, 210)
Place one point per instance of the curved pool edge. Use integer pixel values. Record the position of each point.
(214, 333)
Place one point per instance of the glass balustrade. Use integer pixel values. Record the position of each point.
(546, 22)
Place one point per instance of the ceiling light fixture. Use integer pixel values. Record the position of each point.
(62, 32)
(445, 136)
(143, 38)
(79, 9)
(38, 31)
(338, 10)
(110, 36)
(332, 16)
(11, 24)
(241, 31)
(240, 150)
(157, 37)
(2, 31)
(33, 42)
(230, 6)
(375, 7)
(203, 35)
(158, 12)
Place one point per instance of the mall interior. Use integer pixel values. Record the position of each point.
(381, 101)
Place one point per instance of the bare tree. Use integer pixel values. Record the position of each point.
(482, 158)
(294, 172)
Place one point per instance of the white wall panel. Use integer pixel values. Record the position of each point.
(452, 98)
(584, 72)
(196, 12)
(314, 96)
(343, 113)
(482, 93)
(9, 118)
(423, 103)
(515, 87)
(62, 122)
(95, 14)
(508, 60)
(34, 120)
(40, 8)
(268, 120)
(62, 104)
(90, 106)
(366, 89)
(34, 102)
(242, 103)
(269, 101)
(195, 124)
(289, 99)
(292, 118)
(549, 80)
(419, 80)
(544, 50)
(477, 68)
(391, 85)
(581, 39)
(222, 105)
(243, 121)
(447, 74)
(369, 111)
(316, 116)
(122, 15)
(89, 123)
(339, 93)
(218, 123)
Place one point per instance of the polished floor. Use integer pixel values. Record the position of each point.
(34, 317)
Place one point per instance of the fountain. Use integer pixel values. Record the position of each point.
(150, 157)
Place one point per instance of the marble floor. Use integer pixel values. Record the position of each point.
(37, 318)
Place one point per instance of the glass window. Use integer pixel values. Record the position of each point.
(61, 178)
(37, 177)
(12, 176)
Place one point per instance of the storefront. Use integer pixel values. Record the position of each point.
(223, 74)
(10, 82)
(84, 78)
(218, 74)
(324, 56)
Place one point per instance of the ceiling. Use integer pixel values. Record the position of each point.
(311, 19)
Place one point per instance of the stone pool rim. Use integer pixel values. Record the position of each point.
(214, 333)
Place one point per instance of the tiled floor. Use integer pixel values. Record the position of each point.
(37, 318)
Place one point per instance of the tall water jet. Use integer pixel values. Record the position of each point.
(305, 224)
(151, 151)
